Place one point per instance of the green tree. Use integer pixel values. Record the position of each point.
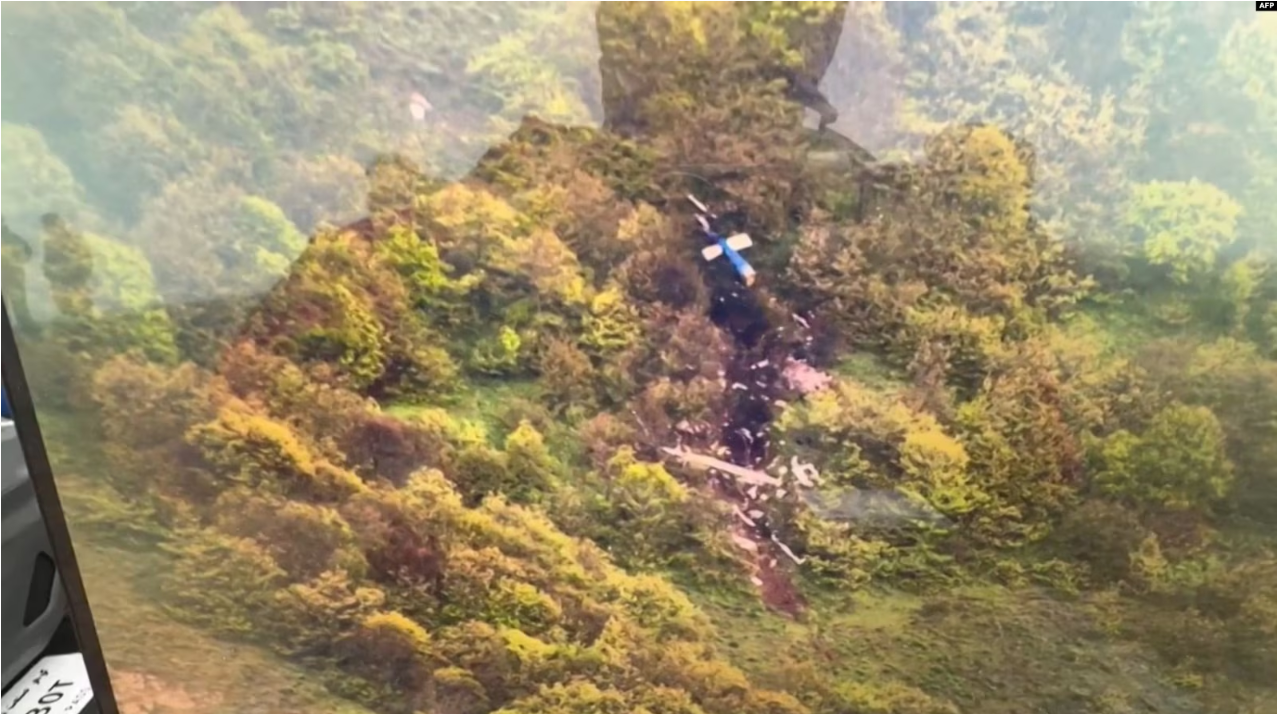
(646, 511)
(68, 265)
(16, 257)
(889, 698)
(222, 582)
(977, 63)
(39, 182)
(1178, 462)
(1182, 228)
(130, 313)
(576, 696)
(531, 465)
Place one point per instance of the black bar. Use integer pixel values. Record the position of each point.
(29, 436)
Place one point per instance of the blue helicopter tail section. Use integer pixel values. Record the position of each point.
(742, 266)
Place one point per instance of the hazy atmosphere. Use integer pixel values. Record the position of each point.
(387, 363)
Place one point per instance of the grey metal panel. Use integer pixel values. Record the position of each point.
(25, 537)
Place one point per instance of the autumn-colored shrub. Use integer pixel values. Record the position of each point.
(389, 384)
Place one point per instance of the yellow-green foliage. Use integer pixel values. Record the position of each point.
(395, 653)
(356, 343)
(522, 605)
(498, 354)
(430, 287)
(871, 440)
(1177, 462)
(146, 410)
(610, 325)
(576, 696)
(253, 450)
(643, 513)
(1181, 227)
(469, 221)
(987, 173)
(949, 340)
(888, 698)
(221, 581)
(264, 226)
(891, 478)
(525, 67)
(797, 33)
(530, 464)
(947, 263)
(47, 185)
(362, 314)
(567, 376)
(127, 302)
(316, 614)
(68, 266)
(315, 492)
(1231, 379)
(973, 64)
(544, 260)
(456, 690)
(1024, 452)
(480, 471)
(304, 539)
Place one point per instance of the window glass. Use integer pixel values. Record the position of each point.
(671, 357)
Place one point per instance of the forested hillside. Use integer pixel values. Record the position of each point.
(383, 331)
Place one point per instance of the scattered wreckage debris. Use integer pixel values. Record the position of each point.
(803, 378)
(744, 475)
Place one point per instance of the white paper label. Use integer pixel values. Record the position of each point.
(56, 684)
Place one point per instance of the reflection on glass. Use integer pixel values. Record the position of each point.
(386, 364)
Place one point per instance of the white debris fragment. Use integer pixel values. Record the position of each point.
(741, 515)
(738, 386)
(804, 378)
(755, 513)
(798, 319)
(761, 363)
(756, 580)
(787, 551)
(743, 474)
(805, 473)
(753, 492)
(745, 544)
(418, 106)
(780, 493)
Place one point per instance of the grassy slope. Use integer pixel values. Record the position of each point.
(987, 649)
(161, 665)
(157, 663)
(481, 402)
